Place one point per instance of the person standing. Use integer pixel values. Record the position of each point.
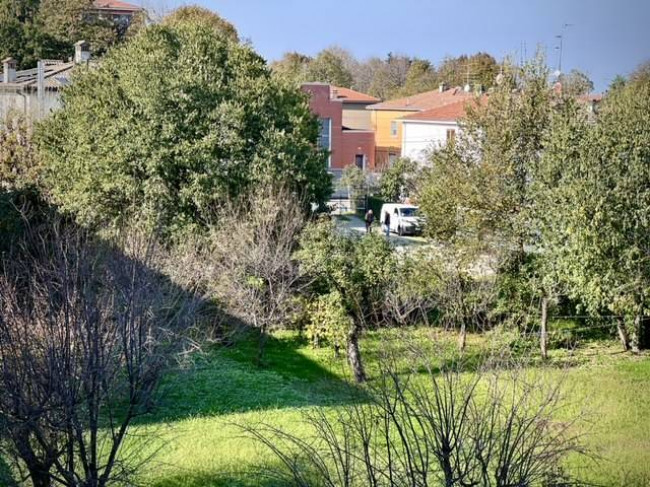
(387, 223)
(370, 217)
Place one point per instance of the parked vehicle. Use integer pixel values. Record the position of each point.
(404, 219)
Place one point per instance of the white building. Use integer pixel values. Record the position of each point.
(425, 131)
(36, 92)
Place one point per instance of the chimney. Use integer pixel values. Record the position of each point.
(442, 87)
(9, 70)
(81, 52)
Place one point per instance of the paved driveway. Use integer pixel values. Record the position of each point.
(355, 224)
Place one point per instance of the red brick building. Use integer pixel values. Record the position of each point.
(345, 125)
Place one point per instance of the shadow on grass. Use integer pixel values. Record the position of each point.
(224, 380)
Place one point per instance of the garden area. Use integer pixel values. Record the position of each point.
(178, 307)
(199, 441)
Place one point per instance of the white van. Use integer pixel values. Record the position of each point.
(404, 219)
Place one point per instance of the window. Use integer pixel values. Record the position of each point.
(325, 139)
(393, 129)
(451, 135)
(359, 161)
(392, 159)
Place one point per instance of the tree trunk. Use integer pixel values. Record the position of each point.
(462, 338)
(636, 334)
(354, 355)
(40, 478)
(622, 333)
(261, 347)
(543, 335)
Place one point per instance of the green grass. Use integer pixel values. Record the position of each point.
(197, 442)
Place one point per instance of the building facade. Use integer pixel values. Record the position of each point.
(345, 125)
(428, 130)
(121, 13)
(387, 119)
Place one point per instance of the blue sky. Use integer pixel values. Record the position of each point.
(606, 38)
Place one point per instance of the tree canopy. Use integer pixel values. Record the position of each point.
(47, 29)
(172, 123)
(393, 76)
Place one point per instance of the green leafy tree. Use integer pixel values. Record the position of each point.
(292, 68)
(602, 234)
(576, 83)
(479, 193)
(172, 124)
(349, 272)
(353, 180)
(421, 77)
(47, 29)
(329, 67)
(480, 68)
(398, 181)
(193, 14)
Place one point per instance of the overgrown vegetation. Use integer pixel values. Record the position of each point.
(539, 206)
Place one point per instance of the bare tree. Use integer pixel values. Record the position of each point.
(250, 263)
(499, 427)
(86, 330)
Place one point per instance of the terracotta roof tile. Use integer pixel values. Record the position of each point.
(446, 113)
(351, 96)
(116, 5)
(424, 101)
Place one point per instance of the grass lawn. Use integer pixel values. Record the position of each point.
(195, 441)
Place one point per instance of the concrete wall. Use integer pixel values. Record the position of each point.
(418, 138)
(12, 101)
(355, 116)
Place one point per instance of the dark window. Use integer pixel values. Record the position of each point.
(451, 135)
(358, 160)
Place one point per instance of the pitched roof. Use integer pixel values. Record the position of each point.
(116, 5)
(56, 76)
(591, 97)
(446, 113)
(351, 96)
(424, 101)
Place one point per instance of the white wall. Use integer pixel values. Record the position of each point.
(418, 138)
(10, 101)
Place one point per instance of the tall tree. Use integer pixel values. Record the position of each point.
(202, 16)
(353, 275)
(391, 77)
(576, 83)
(329, 67)
(421, 77)
(47, 29)
(479, 194)
(292, 68)
(173, 123)
(603, 204)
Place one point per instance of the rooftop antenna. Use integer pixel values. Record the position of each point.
(561, 48)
